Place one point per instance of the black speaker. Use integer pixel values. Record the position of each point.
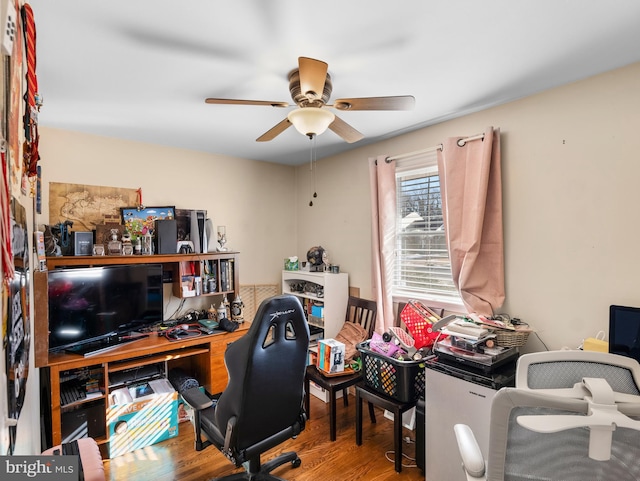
(166, 241)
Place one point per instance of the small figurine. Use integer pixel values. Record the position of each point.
(236, 309)
(147, 244)
(222, 312)
(114, 247)
(222, 238)
(227, 306)
(127, 246)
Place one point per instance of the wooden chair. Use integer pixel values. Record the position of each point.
(394, 406)
(360, 311)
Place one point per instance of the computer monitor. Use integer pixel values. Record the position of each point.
(624, 331)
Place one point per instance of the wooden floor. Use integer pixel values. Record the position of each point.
(322, 460)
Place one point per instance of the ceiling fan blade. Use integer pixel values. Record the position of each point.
(345, 130)
(401, 102)
(246, 102)
(313, 74)
(274, 131)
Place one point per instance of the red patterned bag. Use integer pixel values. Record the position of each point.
(419, 318)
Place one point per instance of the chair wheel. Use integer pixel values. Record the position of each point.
(296, 463)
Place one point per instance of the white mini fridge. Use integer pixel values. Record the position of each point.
(452, 396)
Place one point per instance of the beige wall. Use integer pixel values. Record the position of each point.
(255, 200)
(570, 183)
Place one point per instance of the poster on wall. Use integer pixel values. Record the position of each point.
(15, 132)
(87, 205)
(18, 337)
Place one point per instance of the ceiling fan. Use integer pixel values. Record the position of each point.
(310, 87)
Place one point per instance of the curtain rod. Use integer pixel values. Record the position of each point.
(461, 143)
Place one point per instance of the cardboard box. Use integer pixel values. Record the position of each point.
(185, 412)
(141, 415)
(330, 355)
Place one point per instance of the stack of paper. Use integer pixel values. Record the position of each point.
(465, 329)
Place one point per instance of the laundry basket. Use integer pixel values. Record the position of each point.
(401, 380)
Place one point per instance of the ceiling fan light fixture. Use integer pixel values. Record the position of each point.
(311, 121)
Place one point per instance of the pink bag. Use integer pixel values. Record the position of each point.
(379, 345)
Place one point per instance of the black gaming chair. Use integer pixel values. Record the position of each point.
(262, 405)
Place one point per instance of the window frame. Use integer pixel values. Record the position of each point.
(423, 165)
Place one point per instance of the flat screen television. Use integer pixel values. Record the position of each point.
(90, 307)
(624, 331)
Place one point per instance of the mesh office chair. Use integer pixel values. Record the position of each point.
(359, 311)
(262, 405)
(573, 415)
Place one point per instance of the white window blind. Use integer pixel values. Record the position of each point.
(422, 267)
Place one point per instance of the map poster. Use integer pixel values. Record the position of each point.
(87, 205)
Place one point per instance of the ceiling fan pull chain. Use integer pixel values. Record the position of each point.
(311, 179)
(315, 166)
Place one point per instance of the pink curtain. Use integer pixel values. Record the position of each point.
(471, 187)
(382, 179)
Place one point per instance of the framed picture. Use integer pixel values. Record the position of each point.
(139, 221)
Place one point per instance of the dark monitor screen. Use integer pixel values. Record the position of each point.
(624, 331)
(93, 303)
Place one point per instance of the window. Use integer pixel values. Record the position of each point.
(422, 267)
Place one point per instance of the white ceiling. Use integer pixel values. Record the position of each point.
(141, 69)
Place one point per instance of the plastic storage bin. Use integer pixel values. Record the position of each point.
(419, 319)
(401, 380)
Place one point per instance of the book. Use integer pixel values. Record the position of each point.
(224, 279)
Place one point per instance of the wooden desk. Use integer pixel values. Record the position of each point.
(201, 357)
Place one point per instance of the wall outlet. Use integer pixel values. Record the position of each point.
(9, 24)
